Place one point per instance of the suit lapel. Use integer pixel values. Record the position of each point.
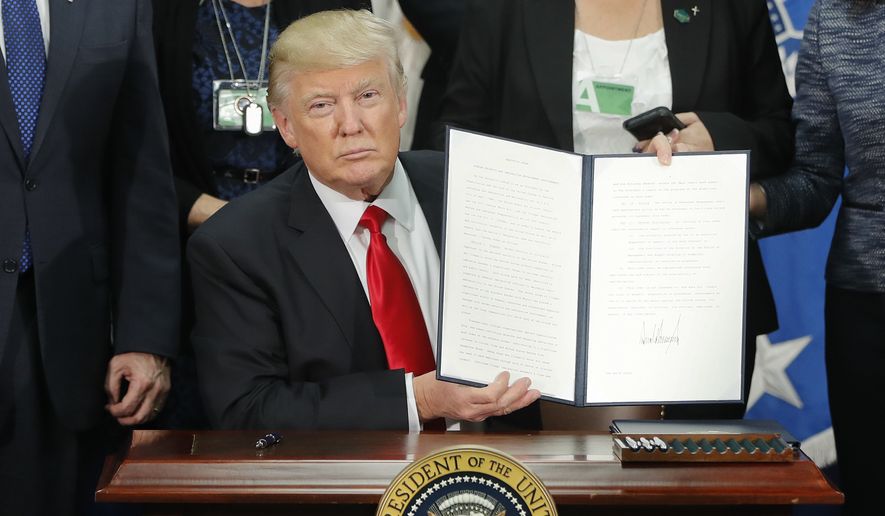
(8, 120)
(65, 29)
(432, 208)
(687, 45)
(323, 258)
(550, 50)
(427, 183)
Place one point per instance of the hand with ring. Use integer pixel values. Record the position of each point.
(148, 379)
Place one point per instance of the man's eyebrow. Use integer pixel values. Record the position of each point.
(358, 87)
(306, 99)
(361, 85)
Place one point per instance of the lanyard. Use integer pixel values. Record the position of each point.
(218, 5)
(629, 45)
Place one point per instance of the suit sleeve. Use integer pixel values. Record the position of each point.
(804, 197)
(244, 368)
(762, 122)
(144, 228)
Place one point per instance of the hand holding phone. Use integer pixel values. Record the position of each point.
(645, 125)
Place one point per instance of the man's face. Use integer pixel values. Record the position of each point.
(346, 124)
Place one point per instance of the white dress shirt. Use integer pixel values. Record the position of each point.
(408, 236)
(43, 11)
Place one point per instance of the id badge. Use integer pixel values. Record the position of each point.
(605, 96)
(234, 109)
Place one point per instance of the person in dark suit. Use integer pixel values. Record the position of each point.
(213, 166)
(523, 65)
(316, 295)
(89, 289)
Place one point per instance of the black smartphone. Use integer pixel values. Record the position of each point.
(645, 125)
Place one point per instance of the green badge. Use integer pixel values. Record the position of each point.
(614, 99)
(681, 15)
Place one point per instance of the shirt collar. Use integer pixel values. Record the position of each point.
(397, 199)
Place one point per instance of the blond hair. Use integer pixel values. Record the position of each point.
(330, 40)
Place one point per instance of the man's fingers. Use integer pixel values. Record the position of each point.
(145, 411)
(112, 384)
(508, 401)
(149, 383)
(143, 415)
(131, 402)
(530, 396)
(496, 389)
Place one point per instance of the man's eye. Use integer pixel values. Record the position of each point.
(370, 94)
(320, 107)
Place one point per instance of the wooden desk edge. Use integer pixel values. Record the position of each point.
(117, 487)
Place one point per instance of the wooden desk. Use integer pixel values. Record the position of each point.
(180, 472)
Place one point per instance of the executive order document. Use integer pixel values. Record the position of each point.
(605, 279)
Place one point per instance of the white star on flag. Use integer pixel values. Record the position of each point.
(770, 375)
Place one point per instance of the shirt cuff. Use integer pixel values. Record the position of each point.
(412, 405)
(452, 425)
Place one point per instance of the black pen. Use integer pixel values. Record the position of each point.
(268, 440)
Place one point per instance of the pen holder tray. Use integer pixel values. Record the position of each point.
(703, 448)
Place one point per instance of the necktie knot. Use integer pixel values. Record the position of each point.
(373, 218)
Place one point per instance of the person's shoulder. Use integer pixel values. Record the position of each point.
(423, 163)
(245, 219)
(426, 171)
(422, 158)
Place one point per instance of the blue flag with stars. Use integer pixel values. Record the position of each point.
(789, 383)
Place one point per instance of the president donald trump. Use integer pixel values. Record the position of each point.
(317, 295)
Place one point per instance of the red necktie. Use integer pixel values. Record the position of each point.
(395, 307)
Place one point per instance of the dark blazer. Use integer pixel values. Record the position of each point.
(284, 335)
(175, 24)
(98, 198)
(513, 73)
(838, 117)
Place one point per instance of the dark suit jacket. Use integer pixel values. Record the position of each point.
(284, 335)
(98, 198)
(513, 73)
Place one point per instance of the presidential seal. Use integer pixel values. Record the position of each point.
(466, 481)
